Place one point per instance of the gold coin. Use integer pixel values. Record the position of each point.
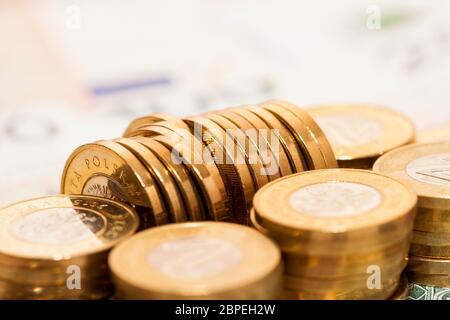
(331, 203)
(432, 245)
(257, 150)
(138, 123)
(359, 134)
(172, 198)
(428, 266)
(437, 280)
(402, 291)
(206, 260)
(269, 139)
(437, 134)
(423, 166)
(236, 176)
(305, 139)
(429, 251)
(336, 245)
(432, 220)
(186, 186)
(188, 150)
(285, 138)
(109, 170)
(257, 176)
(314, 129)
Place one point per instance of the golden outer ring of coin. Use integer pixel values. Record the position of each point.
(205, 174)
(398, 203)
(236, 177)
(280, 157)
(237, 122)
(437, 134)
(435, 280)
(397, 131)
(335, 245)
(179, 172)
(395, 162)
(285, 137)
(323, 266)
(167, 187)
(302, 134)
(432, 220)
(259, 258)
(96, 291)
(387, 289)
(138, 123)
(428, 266)
(120, 222)
(402, 291)
(431, 238)
(116, 163)
(314, 129)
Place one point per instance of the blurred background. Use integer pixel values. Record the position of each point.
(77, 71)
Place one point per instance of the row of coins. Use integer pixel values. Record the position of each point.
(57, 247)
(344, 233)
(199, 168)
(426, 167)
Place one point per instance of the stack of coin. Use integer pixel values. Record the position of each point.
(57, 247)
(359, 134)
(197, 260)
(426, 167)
(206, 167)
(343, 233)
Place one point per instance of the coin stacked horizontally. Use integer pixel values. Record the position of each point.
(344, 233)
(199, 168)
(57, 247)
(197, 260)
(360, 134)
(426, 167)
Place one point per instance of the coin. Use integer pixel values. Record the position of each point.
(45, 238)
(305, 138)
(285, 138)
(430, 244)
(138, 123)
(425, 167)
(424, 292)
(359, 134)
(269, 139)
(440, 133)
(192, 201)
(314, 129)
(109, 170)
(206, 260)
(429, 266)
(402, 291)
(334, 201)
(235, 174)
(432, 220)
(167, 186)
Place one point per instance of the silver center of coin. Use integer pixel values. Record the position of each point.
(349, 131)
(335, 199)
(56, 226)
(432, 169)
(195, 257)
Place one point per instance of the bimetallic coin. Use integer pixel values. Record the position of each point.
(437, 134)
(359, 134)
(166, 184)
(109, 170)
(207, 260)
(138, 123)
(424, 292)
(425, 167)
(334, 201)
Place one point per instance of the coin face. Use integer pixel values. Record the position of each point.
(334, 200)
(358, 132)
(194, 259)
(63, 227)
(425, 167)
